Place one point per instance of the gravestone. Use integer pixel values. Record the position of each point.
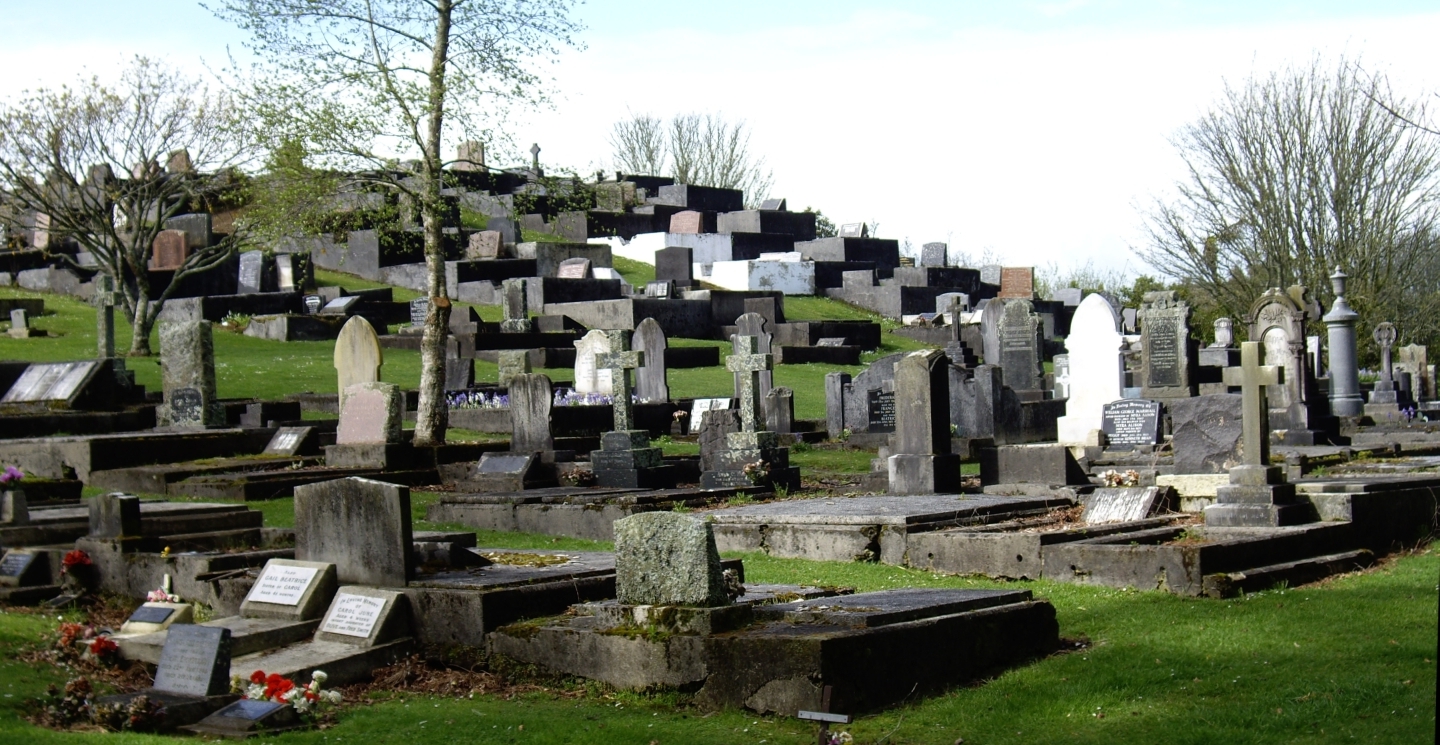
(290, 441)
(715, 427)
(359, 525)
(753, 457)
(1345, 397)
(515, 305)
(589, 378)
(854, 230)
(1114, 505)
(1095, 369)
(1131, 422)
(1224, 334)
(1413, 359)
(170, 250)
(650, 379)
(187, 366)
(341, 306)
(104, 300)
(52, 382)
(288, 273)
(312, 304)
(531, 398)
(419, 309)
(1278, 320)
(921, 461)
(688, 222)
(576, 268)
(701, 405)
(459, 371)
(773, 205)
(990, 331)
(484, 244)
(675, 263)
(290, 590)
(357, 356)
(19, 324)
(933, 254)
(503, 472)
(114, 516)
(753, 325)
(659, 289)
(512, 362)
(1017, 282)
(363, 617)
(20, 568)
(625, 458)
(1166, 356)
(152, 616)
(1070, 296)
(1020, 346)
(879, 410)
(779, 407)
(374, 414)
(1206, 433)
(1062, 376)
(252, 265)
(195, 661)
(666, 558)
(1384, 392)
(1257, 495)
(991, 274)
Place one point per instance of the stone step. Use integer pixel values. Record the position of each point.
(1229, 584)
(343, 663)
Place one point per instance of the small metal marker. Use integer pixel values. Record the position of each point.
(824, 717)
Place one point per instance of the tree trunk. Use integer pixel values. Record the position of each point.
(140, 326)
(431, 418)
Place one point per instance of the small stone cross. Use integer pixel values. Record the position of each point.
(1385, 337)
(104, 300)
(1252, 377)
(620, 364)
(751, 363)
(535, 156)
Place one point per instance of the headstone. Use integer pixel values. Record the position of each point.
(373, 415)
(779, 406)
(170, 250)
(114, 516)
(419, 309)
(1413, 359)
(152, 617)
(51, 381)
(651, 378)
(1070, 296)
(515, 305)
(1020, 345)
(187, 364)
(1224, 334)
(290, 589)
(290, 440)
(357, 356)
(469, 156)
(667, 558)
(576, 268)
(990, 331)
(484, 245)
(19, 324)
(195, 661)
(19, 568)
(854, 230)
(512, 362)
(991, 274)
(1345, 398)
(1113, 505)
(1165, 346)
(880, 410)
(921, 461)
(1095, 369)
(1257, 495)
(775, 205)
(1062, 376)
(716, 426)
(688, 222)
(933, 254)
(1278, 322)
(753, 325)
(619, 362)
(105, 299)
(660, 289)
(675, 264)
(359, 525)
(830, 341)
(197, 227)
(589, 378)
(1384, 392)
(286, 279)
(1131, 422)
(14, 507)
(252, 264)
(362, 616)
(531, 398)
(312, 304)
(459, 371)
(1017, 282)
(1206, 433)
(701, 405)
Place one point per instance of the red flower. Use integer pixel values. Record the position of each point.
(257, 677)
(275, 686)
(103, 646)
(75, 558)
(311, 696)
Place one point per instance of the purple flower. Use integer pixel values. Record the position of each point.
(12, 474)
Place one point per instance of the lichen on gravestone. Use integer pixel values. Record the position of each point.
(665, 558)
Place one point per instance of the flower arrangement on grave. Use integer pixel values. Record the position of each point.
(159, 595)
(577, 477)
(277, 688)
(477, 400)
(1115, 478)
(80, 642)
(758, 472)
(77, 570)
(62, 708)
(840, 738)
(11, 477)
(236, 322)
(140, 714)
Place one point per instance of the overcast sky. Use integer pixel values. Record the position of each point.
(1036, 131)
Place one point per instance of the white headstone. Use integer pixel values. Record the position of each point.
(1097, 369)
(588, 379)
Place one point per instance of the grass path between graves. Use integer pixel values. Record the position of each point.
(1350, 659)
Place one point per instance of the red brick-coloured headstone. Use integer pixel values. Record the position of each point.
(171, 247)
(688, 221)
(1017, 282)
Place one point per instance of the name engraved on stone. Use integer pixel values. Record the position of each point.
(1131, 422)
(281, 584)
(286, 441)
(250, 264)
(313, 304)
(189, 659)
(354, 615)
(15, 563)
(419, 308)
(185, 405)
(151, 614)
(249, 709)
(881, 410)
(702, 405)
(1162, 335)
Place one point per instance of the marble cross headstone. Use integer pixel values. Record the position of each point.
(1253, 378)
(748, 365)
(620, 363)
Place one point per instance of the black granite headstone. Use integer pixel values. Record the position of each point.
(881, 410)
(419, 308)
(195, 661)
(15, 563)
(1130, 422)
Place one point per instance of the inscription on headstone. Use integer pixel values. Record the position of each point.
(881, 408)
(419, 308)
(151, 614)
(195, 661)
(282, 584)
(1164, 367)
(186, 405)
(1130, 422)
(702, 405)
(251, 264)
(15, 563)
(354, 615)
(312, 304)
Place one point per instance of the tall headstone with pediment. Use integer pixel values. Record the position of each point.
(1166, 351)
(922, 462)
(1298, 413)
(187, 362)
(1020, 346)
(1096, 372)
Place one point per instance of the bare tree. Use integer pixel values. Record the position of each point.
(699, 149)
(1295, 173)
(361, 81)
(87, 161)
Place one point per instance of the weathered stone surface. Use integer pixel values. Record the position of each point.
(1107, 505)
(114, 516)
(531, 398)
(1206, 433)
(373, 415)
(357, 356)
(1020, 346)
(195, 661)
(359, 525)
(665, 558)
(650, 378)
(187, 361)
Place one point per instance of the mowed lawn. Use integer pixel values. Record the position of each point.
(1348, 660)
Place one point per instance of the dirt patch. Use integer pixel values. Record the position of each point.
(418, 675)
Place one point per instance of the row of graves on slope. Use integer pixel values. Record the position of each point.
(1244, 522)
(353, 588)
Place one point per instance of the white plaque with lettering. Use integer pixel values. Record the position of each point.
(281, 584)
(353, 615)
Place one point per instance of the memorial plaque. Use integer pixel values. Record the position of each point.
(353, 615)
(659, 289)
(186, 405)
(576, 268)
(1161, 336)
(881, 410)
(1131, 422)
(15, 563)
(287, 441)
(702, 405)
(281, 584)
(312, 304)
(419, 308)
(854, 230)
(251, 264)
(150, 614)
(55, 381)
(498, 463)
(249, 709)
(831, 341)
(777, 205)
(341, 305)
(195, 661)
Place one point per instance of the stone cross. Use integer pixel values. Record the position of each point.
(104, 300)
(1385, 337)
(750, 364)
(535, 156)
(1253, 377)
(620, 364)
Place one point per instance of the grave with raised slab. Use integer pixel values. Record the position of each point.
(192, 677)
(766, 647)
